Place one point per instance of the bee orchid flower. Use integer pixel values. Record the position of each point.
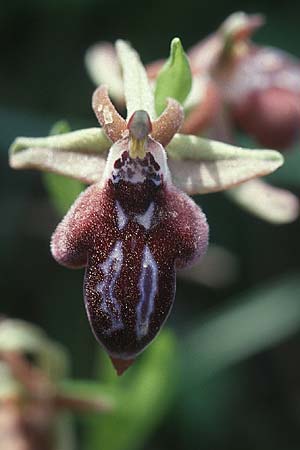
(135, 225)
(131, 231)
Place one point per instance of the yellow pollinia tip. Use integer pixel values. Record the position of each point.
(137, 148)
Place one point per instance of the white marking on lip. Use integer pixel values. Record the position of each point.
(146, 218)
(111, 269)
(121, 216)
(148, 289)
(118, 148)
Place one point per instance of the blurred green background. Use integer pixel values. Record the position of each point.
(234, 358)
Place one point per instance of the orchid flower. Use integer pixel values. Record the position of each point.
(135, 225)
(259, 91)
(234, 82)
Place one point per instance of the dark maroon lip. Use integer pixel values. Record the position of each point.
(131, 255)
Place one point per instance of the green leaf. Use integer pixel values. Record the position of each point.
(201, 165)
(138, 93)
(175, 78)
(250, 324)
(143, 394)
(62, 191)
(79, 154)
(277, 206)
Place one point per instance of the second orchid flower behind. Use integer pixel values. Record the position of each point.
(133, 228)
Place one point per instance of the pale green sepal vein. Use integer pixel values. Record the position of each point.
(185, 146)
(138, 92)
(79, 154)
(89, 140)
(201, 165)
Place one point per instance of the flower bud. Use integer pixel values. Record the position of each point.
(263, 92)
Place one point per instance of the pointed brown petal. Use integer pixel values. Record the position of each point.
(113, 124)
(121, 364)
(164, 128)
(267, 202)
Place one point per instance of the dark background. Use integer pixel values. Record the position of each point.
(255, 402)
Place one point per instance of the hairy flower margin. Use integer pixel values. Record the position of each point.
(135, 225)
(235, 83)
